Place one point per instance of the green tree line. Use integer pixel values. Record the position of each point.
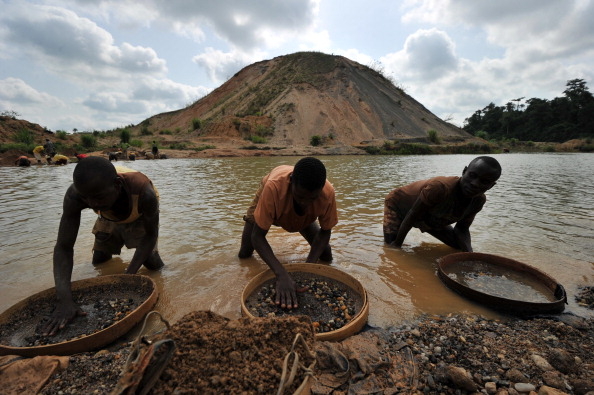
(560, 119)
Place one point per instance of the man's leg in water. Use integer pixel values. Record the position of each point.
(310, 233)
(247, 249)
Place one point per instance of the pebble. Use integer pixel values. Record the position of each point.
(491, 387)
(524, 387)
(541, 363)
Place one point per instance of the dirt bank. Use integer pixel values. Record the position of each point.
(437, 355)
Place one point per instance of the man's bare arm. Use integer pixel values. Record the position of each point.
(149, 207)
(63, 261)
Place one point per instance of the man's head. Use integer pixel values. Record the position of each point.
(97, 181)
(479, 176)
(307, 181)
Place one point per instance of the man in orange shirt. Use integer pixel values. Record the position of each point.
(292, 198)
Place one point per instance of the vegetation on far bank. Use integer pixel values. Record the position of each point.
(537, 126)
(561, 119)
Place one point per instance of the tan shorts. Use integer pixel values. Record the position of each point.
(110, 237)
(249, 216)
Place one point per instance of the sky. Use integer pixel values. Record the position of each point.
(103, 64)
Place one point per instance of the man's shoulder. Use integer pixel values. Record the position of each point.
(280, 172)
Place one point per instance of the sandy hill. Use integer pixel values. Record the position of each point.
(289, 99)
(10, 127)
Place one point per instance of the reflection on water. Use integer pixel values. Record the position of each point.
(540, 213)
(500, 282)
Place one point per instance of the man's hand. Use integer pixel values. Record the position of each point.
(286, 292)
(63, 314)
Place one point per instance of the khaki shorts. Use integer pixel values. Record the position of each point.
(110, 237)
(249, 216)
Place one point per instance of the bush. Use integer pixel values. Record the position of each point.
(196, 123)
(586, 148)
(88, 140)
(204, 147)
(16, 146)
(414, 149)
(61, 134)
(482, 135)
(24, 136)
(166, 131)
(257, 139)
(136, 143)
(433, 137)
(180, 146)
(144, 130)
(125, 136)
(315, 140)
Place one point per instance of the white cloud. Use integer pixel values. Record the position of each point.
(115, 62)
(75, 47)
(17, 92)
(220, 65)
(427, 55)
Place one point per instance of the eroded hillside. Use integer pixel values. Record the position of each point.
(289, 99)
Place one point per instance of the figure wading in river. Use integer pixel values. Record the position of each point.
(292, 198)
(128, 208)
(433, 205)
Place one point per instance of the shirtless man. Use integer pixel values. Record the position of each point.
(434, 205)
(128, 208)
(292, 198)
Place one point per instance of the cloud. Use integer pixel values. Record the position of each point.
(220, 66)
(115, 102)
(17, 91)
(176, 95)
(75, 47)
(243, 24)
(427, 55)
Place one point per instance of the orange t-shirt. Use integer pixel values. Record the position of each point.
(275, 205)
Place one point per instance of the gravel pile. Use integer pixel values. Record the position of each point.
(459, 354)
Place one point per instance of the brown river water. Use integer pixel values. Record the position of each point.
(541, 212)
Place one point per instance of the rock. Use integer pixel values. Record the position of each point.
(582, 386)
(491, 387)
(554, 379)
(460, 378)
(541, 363)
(544, 390)
(524, 387)
(562, 360)
(515, 375)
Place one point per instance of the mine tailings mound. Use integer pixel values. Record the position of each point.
(290, 99)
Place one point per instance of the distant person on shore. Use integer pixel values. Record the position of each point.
(49, 148)
(435, 204)
(22, 161)
(128, 209)
(155, 150)
(38, 153)
(60, 160)
(292, 198)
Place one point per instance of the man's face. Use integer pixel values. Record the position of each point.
(478, 178)
(303, 197)
(100, 196)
